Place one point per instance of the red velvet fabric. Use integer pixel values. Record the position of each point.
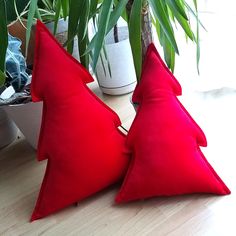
(164, 140)
(80, 139)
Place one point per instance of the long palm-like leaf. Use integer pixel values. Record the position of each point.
(160, 14)
(135, 25)
(30, 20)
(115, 15)
(84, 18)
(84, 58)
(65, 6)
(197, 41)
(169, 52)
(76, 9)
(195, 14)
(93, 7)
(102, 29)
(57, 15)
(182, 21)
(48, 4)
(3, 40)
(177, 4)
(83, 34)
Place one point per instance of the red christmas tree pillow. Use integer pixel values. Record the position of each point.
(164, 140)
(79, 134)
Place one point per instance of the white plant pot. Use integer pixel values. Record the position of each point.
(123, 77)
(61, 35)
(8, 130)
(28, 119)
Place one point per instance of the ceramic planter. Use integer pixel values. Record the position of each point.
(8, 130)
(122, 79)
(27, 117)
(61, 35)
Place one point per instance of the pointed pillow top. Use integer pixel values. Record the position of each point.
(155, 77)
(61, 63)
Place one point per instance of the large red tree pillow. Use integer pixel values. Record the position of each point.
(79, 133)
(164, 140)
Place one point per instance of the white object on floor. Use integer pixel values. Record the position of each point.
(8, 130)
(28, 119)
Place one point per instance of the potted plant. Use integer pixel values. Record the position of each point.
(17, 22)
(115, 71)
(140, 15)
(139, 18)
(20, 113)
(8, 130)
(46, 12)
(135, 12)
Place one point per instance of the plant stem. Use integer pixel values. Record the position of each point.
(146, 36)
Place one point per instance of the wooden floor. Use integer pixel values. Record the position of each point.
(21, 175)
(210, 101)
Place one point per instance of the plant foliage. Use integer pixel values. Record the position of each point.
(165, 15)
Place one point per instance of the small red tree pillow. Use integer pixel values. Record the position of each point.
(164, 140)
(79, 134)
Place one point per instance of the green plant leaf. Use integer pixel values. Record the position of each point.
(124, 13)
(198, 50)
(195, 4)
(197, 36)
(17, 13)
(48, 4)
(81, 30)
(64, 6)
(158, 29)
(170, 14)
(10, 9)
(2, 78)
(179, 7)
(196, 16)
(37, 13)
(76, 9)
(83, 20)
(115, 15)
(135, 26)
(169, 52)
(3, 39)
(30, 21)
(160, 14)
(104, 17)
(57, 15)
(198, 44)
(93, 7)
(182, 21)
(101, 56)
(84, 58)
(106, 57)
(83, 34)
